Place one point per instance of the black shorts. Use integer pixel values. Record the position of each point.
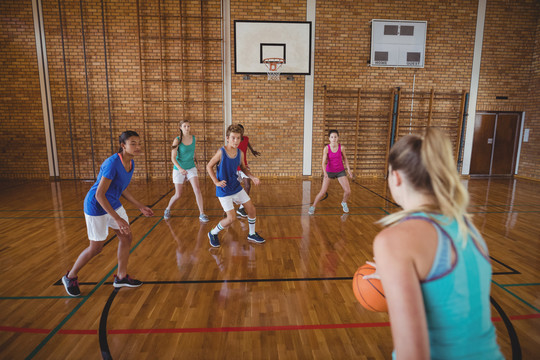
(335, 175)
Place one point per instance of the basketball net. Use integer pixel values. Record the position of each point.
(273, 67)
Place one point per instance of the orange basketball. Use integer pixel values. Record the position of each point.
(369, 292)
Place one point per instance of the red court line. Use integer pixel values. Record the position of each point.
(230, 329)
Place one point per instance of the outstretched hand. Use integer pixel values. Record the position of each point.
(147, 211)
(255, 153)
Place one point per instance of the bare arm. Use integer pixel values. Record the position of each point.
(174, 153)
(254, 152)
(394, 250)
(345, 161)
(246, 171)
(103, 186)
(324, 159)
(210, 169)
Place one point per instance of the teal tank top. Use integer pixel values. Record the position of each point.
(456, 296)
(185, 155)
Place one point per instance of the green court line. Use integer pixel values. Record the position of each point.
(514, 295)
(39, 297)
(63, 322)
(387, 213)
(525, 284)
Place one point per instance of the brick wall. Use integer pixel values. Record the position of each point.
(22, 140)
(272, 113)
(530, 151)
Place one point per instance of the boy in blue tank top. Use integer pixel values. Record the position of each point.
(228, 188)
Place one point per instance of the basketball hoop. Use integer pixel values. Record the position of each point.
(273, 67)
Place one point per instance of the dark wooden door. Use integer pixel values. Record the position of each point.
(505, 144)
(484, 127)
(494, 144)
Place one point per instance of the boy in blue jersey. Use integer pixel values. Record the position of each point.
(103, 209)
(228, 188)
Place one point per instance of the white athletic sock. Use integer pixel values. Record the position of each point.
(251, 223)
(217, 229)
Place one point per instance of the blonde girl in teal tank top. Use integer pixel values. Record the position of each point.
(433, 264)
(184, 168)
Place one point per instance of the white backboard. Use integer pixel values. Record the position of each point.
(257, 40)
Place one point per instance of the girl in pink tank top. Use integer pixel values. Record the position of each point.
(334, 162)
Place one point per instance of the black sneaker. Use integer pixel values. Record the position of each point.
(242, 212)
(256, 238)
(214, 241)
(71, 285)
(126, 282)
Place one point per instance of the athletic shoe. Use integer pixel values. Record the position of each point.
(214, 241)
(126, 282)
(345, 207)
(311, 210)
(256, 238)
(242, 212)
(203, 218)
(71, 285)
(167, 214)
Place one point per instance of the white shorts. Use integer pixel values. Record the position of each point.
(241, 176)
(98, 226)
(240, 197)
(179, 178)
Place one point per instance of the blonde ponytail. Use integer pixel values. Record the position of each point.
(429, 167)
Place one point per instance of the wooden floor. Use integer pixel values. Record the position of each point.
(290, 298)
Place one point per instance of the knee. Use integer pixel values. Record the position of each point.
(126, 239)
(95, 250)
(229, 220)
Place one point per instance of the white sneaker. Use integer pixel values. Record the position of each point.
(345, 207)
(311, 210)
(167, 214)
(203, 218)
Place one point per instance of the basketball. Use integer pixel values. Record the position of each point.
(369, 292)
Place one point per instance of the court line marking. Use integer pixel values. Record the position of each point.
(228, 329)
(516, 296)
(523, 284)
(81, 303)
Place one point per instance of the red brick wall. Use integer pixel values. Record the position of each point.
(271, 112)
(530, 151)
(22, 140)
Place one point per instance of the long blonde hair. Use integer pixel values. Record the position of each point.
(428, 165)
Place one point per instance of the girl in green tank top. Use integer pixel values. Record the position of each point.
(184, 168)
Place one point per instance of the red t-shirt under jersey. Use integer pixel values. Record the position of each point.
(244, 146)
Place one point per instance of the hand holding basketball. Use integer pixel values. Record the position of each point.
(368, 288)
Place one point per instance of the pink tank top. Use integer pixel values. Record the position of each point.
(335, 160)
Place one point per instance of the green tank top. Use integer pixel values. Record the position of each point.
(185, 155)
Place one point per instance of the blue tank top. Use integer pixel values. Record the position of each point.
(226, 170)
(456, 296)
